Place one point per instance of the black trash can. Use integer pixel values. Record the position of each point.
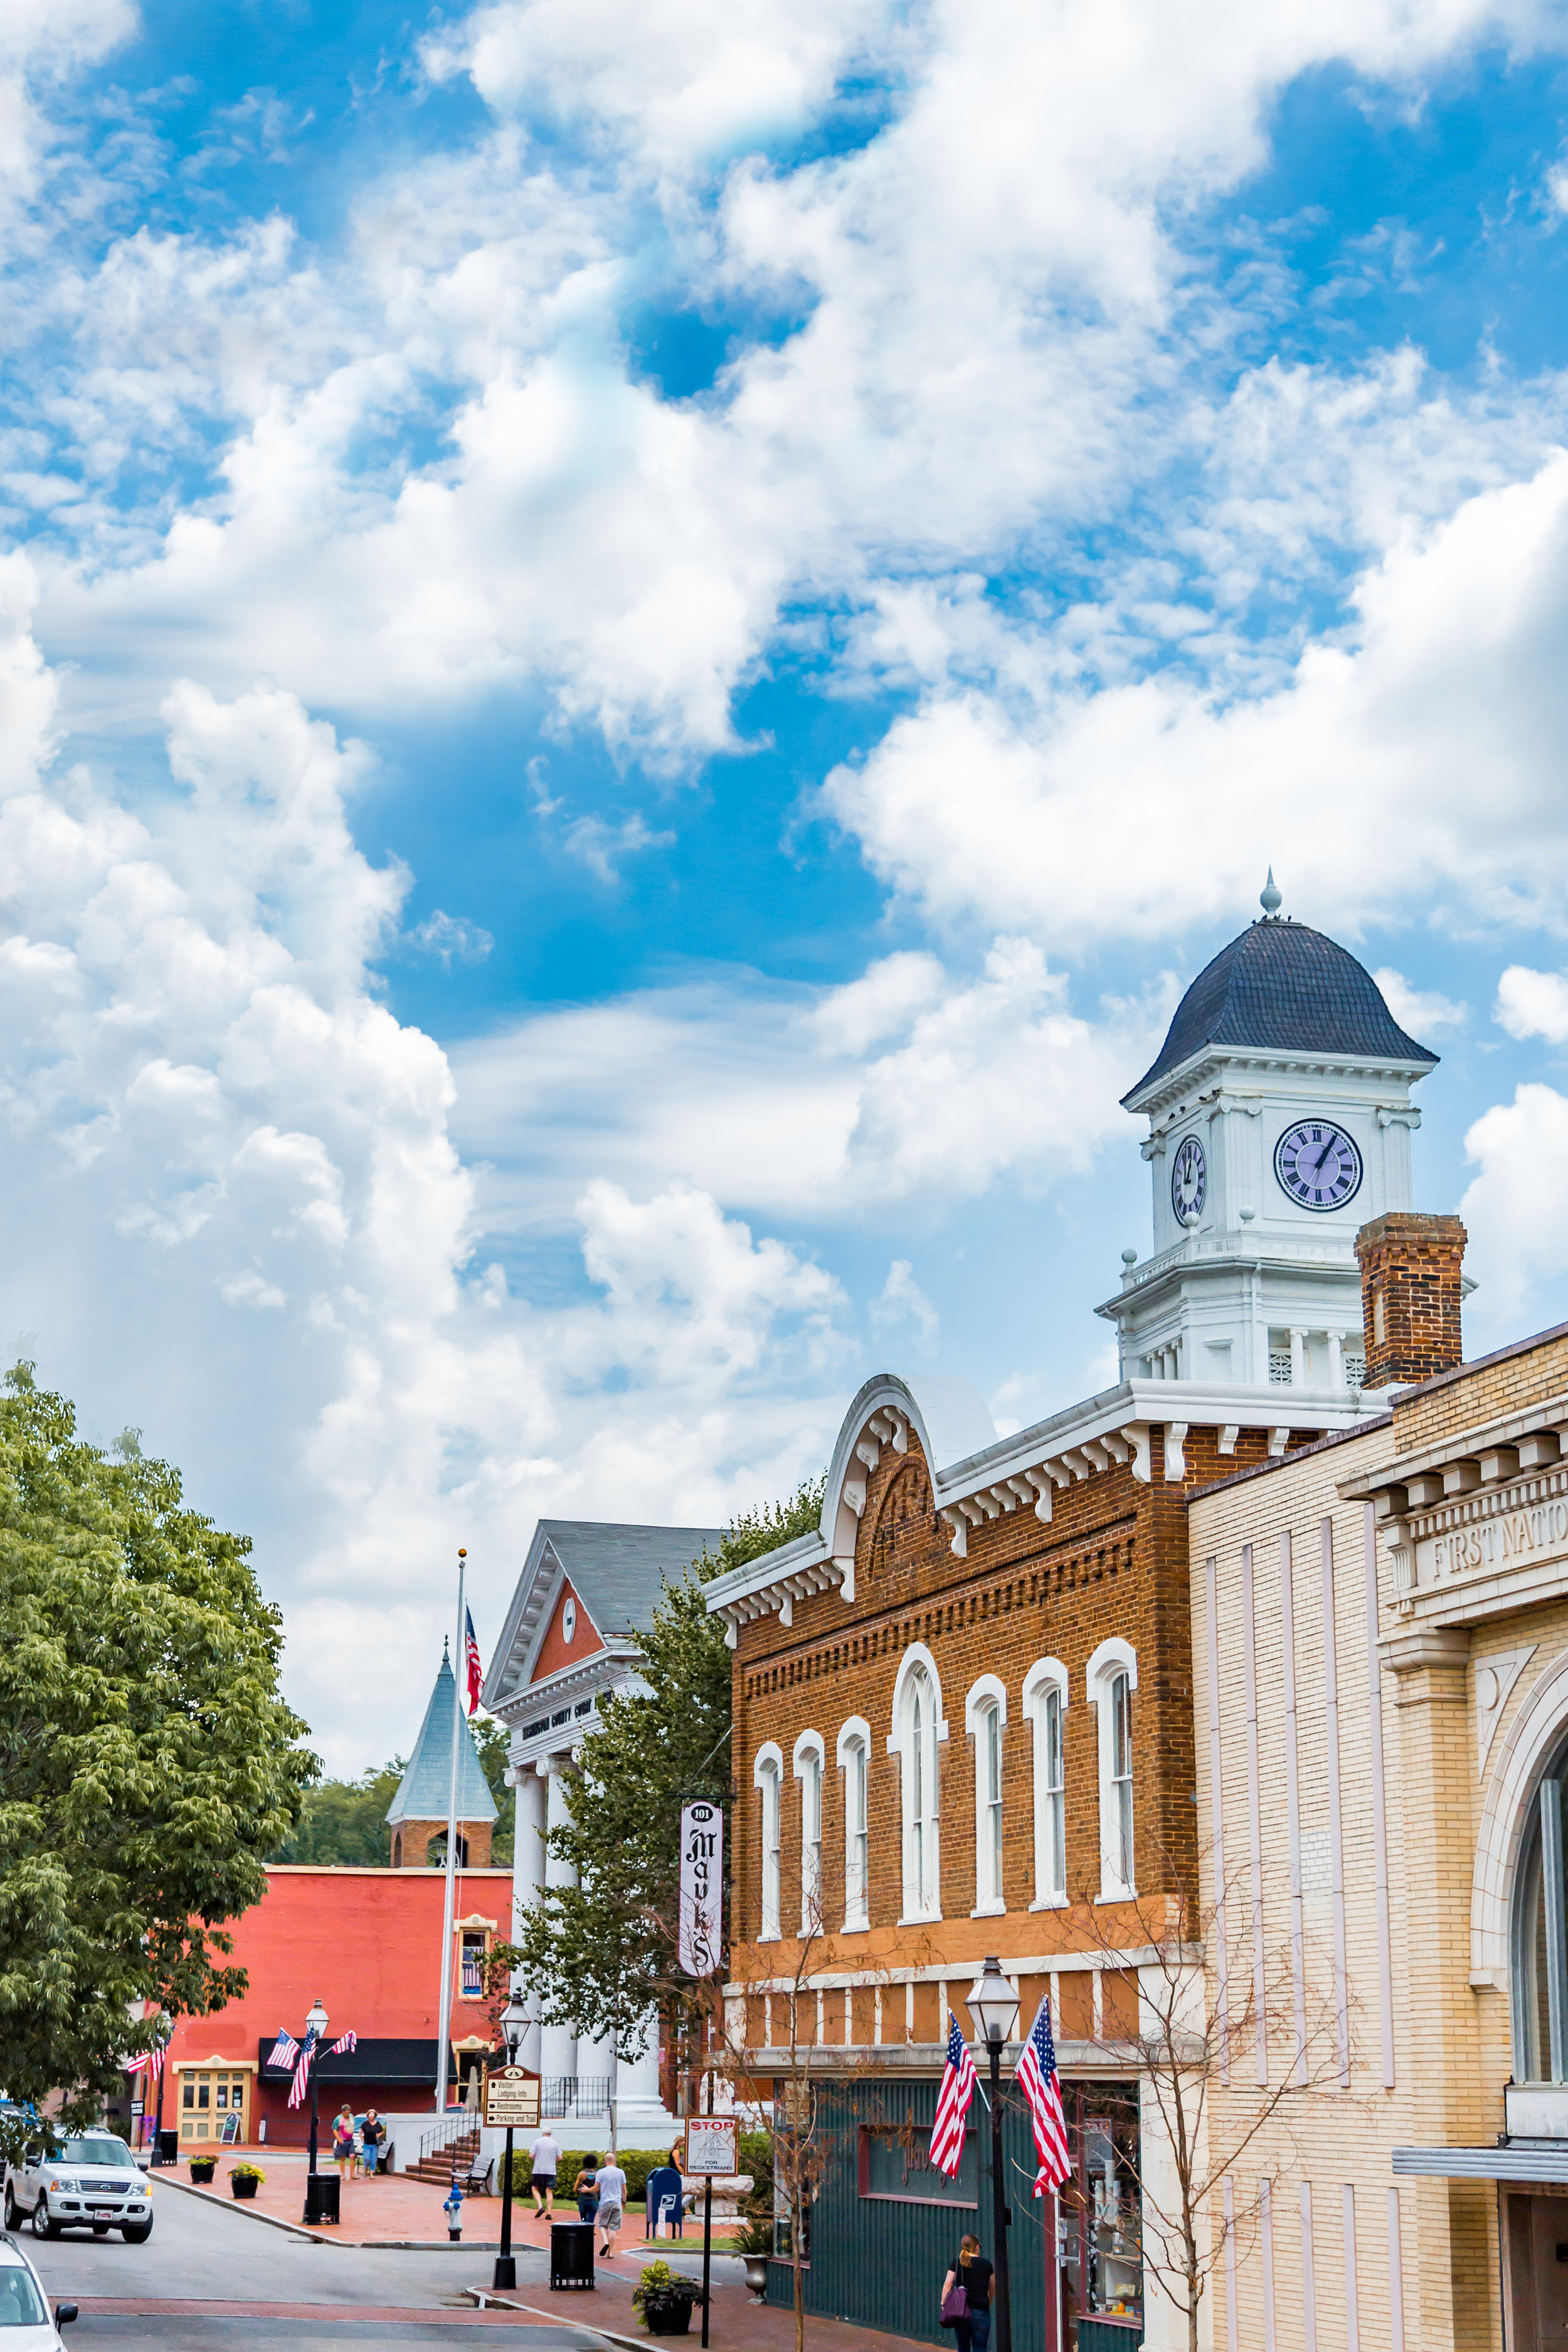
(571, 2253)
(322, 2196)
(167, 2150)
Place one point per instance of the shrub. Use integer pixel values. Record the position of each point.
(247, 2172)
(636, 2163)
(658, 2281)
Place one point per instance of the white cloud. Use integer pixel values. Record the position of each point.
(1084, 814)
(1533, 1004)
(452, 938)
(251, 1290)
(601, 847)
(1418, 1010)
(1516, 1211)
(902, 1301)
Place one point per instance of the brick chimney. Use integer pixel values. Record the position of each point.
(1410, 1296)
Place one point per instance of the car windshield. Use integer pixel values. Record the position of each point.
(97, 2148)
(21, 2304)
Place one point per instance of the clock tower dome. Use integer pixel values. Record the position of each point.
(1279, 1122)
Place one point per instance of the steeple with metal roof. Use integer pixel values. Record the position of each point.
(421, 1801)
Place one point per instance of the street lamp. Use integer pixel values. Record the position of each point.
(316, 2023)
(993, 2005)
(513, 2025)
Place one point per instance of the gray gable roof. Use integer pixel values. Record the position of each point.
(616, 1571)
(424, 1789)
(1284, 986)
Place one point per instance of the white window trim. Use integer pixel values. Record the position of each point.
(809, 1748)
(1113, 1657)
(767, 1774)
(988, 1695)
(916, 1657)
(855, 1736)
(1046, 1674)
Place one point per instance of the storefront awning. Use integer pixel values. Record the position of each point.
(1520, 2160)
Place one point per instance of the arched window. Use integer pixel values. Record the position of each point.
(984, 1714)
(767, 1776)
(855, 1762)
(808, 1772)
(1112, 1677)
(1540, 1938)
(918, 1728)
(1045, 1704)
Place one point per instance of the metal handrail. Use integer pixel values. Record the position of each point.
(456, 2124)
(574, 2094)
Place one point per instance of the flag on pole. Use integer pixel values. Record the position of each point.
(953, 2102)
(285, 2051)
(349, 2040)
(150, 2062)
(472, 1653)
(302, 2071)
(1037, 2079)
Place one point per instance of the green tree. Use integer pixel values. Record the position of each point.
(146, 1760)
(602, 1952)
(343, 1822)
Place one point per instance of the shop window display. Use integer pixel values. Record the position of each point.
(1099, 2216)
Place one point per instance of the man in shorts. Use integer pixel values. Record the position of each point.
(612, 2187)
(546, 2156)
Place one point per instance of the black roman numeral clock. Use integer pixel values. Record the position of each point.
(1318, 1165)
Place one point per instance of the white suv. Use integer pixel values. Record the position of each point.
(92, 2184)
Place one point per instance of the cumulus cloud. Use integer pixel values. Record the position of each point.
(1516, 1211)
(1418, 1010)
(1533, 1004)
(901, 1302)
(452, 938)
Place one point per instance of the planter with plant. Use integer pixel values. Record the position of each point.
(245, 2179)
(202, 2166)
(663, 2300)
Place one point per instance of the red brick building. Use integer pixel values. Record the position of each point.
(964, 1706)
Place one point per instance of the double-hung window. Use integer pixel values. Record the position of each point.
(808, 1772)
(917, 1730)
(854, 1757)
(1112, 1677)
(986, 1714)
(768, 1775)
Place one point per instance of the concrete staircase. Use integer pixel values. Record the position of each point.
(460, 2157)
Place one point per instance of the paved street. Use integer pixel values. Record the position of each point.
(304, 2296)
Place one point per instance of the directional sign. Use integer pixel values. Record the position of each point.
(511, 2099)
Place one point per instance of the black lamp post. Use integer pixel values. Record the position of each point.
(513, 2021)
(993, 2005)
(316, 2022)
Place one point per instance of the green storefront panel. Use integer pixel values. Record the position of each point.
(879, 2260)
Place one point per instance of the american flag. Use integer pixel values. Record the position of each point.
(1038, 2080)
(285, 2051)
(150, 2061)
(953, 2102)
(471, 1655)
(349, 2040)
(303, 2069)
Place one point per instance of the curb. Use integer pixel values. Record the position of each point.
(489, 2301)
(247, 2208)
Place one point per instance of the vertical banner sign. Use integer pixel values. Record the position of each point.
(702, 1886)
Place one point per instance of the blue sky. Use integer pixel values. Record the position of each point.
(638, 650)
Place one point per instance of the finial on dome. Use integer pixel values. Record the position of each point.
(1270, 896)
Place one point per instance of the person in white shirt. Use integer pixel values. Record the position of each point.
(612, 2187)
(546, 2155)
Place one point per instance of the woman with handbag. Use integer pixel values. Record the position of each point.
(966, 2298)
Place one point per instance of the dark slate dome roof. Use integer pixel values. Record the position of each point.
(1284, 986)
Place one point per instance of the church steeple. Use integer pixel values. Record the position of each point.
(417, 1813)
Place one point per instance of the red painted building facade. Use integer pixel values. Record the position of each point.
(368, 1944)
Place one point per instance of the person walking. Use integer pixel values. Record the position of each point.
(372, 2135)
(587, 2191)
(611, 2184)
(972, 2272)
(546, 2155)
(343, 2142)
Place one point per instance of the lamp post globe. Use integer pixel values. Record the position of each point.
(993, 2005)
(514, 2022)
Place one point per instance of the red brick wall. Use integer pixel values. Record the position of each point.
(1410, 1285)
(1113, 1561)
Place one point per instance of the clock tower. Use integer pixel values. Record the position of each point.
(1279, 1121)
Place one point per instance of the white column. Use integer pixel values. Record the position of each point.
(642, 2119)
(527, 1878)
(1297, 1359)
(1336, 1361)
(557, 2043)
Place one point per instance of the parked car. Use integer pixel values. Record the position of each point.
(92, 2184)
(25, 2315)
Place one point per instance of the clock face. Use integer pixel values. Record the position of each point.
(1318, 1165)
(1189, 1180)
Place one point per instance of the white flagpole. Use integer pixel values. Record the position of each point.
(448, 1902)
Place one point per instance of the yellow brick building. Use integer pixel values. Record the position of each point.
(1380, 1649)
